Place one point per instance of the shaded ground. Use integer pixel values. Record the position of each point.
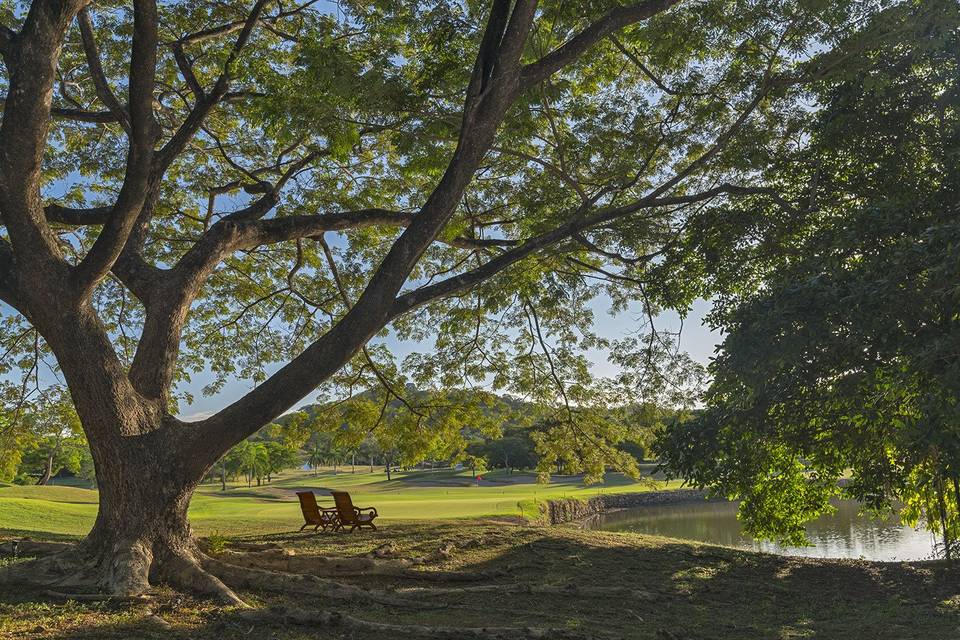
(684, 591)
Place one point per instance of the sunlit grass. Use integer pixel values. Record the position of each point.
(419, 495)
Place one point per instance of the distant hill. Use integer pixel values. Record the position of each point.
(510, 404)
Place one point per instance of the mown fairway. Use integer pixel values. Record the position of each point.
(273, 508)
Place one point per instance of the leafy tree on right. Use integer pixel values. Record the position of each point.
(840, 370)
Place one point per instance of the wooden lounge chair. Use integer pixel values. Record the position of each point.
(314, 515)
(351, 516)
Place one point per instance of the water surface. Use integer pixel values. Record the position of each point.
(844, 534)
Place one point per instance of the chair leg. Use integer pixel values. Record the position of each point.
(305, 525)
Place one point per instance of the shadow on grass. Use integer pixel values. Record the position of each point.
(20, 534)
(679, 591)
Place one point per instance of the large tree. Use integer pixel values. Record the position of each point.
(838, 375)
(192, 185)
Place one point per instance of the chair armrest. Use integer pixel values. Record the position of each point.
(373, 509)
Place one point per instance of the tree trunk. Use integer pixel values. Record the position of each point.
(142, 532)
(223, 475)
(48, 470)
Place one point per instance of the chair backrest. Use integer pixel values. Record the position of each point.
(344, 506)
(308, 505)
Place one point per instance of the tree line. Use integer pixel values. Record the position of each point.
(43, 439)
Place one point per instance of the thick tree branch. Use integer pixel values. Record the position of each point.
(76, 115)
(82, 115)
(96, 71)
(143, 133)
(168, 294)
(571, 50)
(489, 46)
(483, 112)
(8, 44)
(77, 217)
(23, 133)
(186, 70)
(577, 225)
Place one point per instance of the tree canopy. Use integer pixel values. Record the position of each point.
(238, 251)
(841, 359)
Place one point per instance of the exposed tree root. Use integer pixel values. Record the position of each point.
(26, 547)
(94, 597)
(285, 582)
(127, 568)
(570, 589)
(47, 571)
(254, 546)
(123, 574)
(382, 629)
(186, 573)
(287, 561)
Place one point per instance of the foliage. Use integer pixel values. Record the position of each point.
(591, 173)
(41, 437)
(843, 333)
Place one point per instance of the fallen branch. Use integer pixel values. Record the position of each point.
(28, 548)
(289, 562)
(95, 597)
(254, 546)
(285, 582)
(570, 589)
(343, 621)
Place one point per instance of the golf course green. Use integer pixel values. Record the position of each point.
(273, 507)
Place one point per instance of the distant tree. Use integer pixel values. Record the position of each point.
(280, 456)
(315, 456)
(369, 451)
(251, 459)
(51, 438)
(635, 449)
(842, 348)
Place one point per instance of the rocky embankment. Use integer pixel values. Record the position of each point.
(571, 509)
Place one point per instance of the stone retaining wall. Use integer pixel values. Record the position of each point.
(570, 509)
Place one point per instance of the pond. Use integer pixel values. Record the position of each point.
(844, 534)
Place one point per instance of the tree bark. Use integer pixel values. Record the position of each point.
(142, 532)
(48, 470)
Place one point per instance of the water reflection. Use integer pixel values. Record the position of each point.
(843, 534)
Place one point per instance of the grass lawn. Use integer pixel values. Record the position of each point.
(270, 508)
(684, 591)
(678, 590)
